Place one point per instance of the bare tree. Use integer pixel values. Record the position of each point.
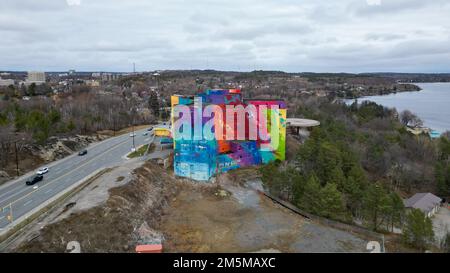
(408, 118)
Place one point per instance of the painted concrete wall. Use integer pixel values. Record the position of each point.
(202, 159)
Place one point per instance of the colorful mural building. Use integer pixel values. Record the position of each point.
(202, 157)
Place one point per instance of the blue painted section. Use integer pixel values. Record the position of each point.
(435, 134)
(202, 159)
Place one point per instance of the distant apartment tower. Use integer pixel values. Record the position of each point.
(109, 77)
(35, 77)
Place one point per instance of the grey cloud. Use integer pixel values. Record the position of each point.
(308, 35)
(386, 7)
(384, 36)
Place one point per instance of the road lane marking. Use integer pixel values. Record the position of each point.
(73, 170)
(13, 192)
(113, 139)
(27, 203)
(48, 191)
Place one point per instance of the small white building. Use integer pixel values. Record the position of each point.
(428, 203)
(6, 82)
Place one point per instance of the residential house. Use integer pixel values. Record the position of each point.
(428, 203)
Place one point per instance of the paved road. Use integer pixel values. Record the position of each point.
(64, 173)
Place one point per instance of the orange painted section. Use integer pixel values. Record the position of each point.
(149, 249)
(223, 146)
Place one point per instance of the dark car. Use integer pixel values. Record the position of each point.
(34, 180)
(81, 153)
(150, 129)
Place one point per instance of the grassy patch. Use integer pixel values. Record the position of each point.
(141, 151)
(120, 179)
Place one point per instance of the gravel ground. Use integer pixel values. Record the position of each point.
(244, 221)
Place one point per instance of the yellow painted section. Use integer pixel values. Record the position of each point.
(162, 132)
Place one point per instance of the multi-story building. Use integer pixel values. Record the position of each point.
(35, 77)
(202, 157)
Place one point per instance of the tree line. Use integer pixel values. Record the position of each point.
(357, 166)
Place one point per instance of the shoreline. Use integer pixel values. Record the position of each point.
(427, 129)
(417, 89)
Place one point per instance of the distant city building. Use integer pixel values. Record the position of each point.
(109, 76)
(93, 83)
(35, 77)
(6, 82)
(72, 72)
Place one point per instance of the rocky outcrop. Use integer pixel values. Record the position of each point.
(57, 148)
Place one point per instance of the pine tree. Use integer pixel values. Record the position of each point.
(354, 187)
(154, 104)
(328, 159)
(396, 210)
(418, 231)
(337, 178)
(310, 201)
(331, 202)
(376, 205)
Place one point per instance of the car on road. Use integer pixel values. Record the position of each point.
(42, 171)
(35, 179)
(132, 135)
(150, 129)
(145, 134)
(83, 152)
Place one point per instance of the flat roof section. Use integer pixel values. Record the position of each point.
(303, 123)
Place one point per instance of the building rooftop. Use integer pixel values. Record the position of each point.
(423, 201)
(303, 123)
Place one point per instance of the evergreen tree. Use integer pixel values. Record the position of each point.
(442, 176)
(311, 195)
(354, 189)
(329, 158)
(337, 178)
(154, 104)
(331, 202)
(418, 230)
(376, 205)
(396, 210)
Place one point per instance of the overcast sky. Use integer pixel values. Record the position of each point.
(239, 35)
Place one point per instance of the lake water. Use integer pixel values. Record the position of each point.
(432, 104)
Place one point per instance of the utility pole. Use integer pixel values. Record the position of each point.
(17, 158)
(114, 127)
(134, 146)
(10, 216)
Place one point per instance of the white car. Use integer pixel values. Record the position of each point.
(132, 135)
(42, 171)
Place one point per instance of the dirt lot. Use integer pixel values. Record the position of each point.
(148, 205)
(237, 219)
